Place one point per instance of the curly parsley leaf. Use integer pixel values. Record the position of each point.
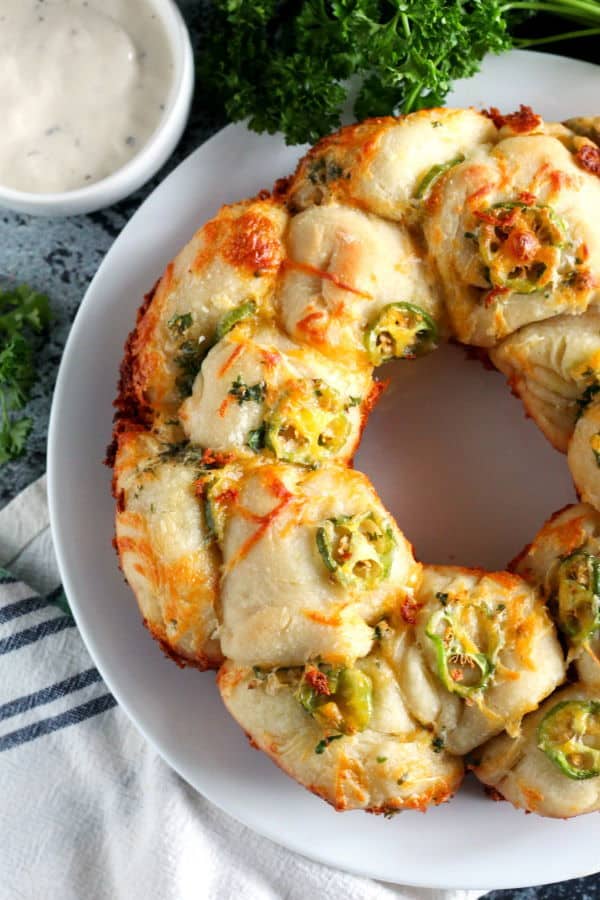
(285, 65)
(21, 308)
(23, 314)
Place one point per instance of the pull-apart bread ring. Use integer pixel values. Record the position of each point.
(250, 542)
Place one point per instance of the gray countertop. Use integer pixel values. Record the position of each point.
(60, 257)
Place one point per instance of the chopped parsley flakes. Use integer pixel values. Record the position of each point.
(248, 393)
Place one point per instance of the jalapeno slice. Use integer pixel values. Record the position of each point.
(521, 246)
(357, 550)
(214, 512)
(595, 447)
(339, 699)
(430, 177)
(569, 735)
(235, 315)
(309, 424)
(218, 491)
(400, 331)
(462, 666)
(577, 595)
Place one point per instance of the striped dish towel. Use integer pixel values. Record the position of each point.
(88, 809)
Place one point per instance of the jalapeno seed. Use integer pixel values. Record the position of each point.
(400, 331)
(569, 735)
(357, 550)
(577, 595)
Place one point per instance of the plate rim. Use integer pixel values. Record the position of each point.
(58, 526)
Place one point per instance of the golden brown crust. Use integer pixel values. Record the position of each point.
(522, 121)
(242, 237)
(201, 661)
(161, 541)
(327, 165)
(130, 407)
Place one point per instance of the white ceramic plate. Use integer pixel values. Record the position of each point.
(469, 480)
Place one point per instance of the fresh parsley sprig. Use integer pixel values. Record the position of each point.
(23, 314)
(285, 64)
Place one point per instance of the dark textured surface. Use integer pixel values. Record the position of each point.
(60, 257)
(578, 889)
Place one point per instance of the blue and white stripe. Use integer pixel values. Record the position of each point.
(47, 680)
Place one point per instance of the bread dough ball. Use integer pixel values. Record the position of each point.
(311, 561)
(344, 271)
(482, 654)
(379, 164)
(554, 367)
(552, 767)
(166, 552)
(231, 262)
(258, 391)
(358, 747)
(563, 563)
(515, 235)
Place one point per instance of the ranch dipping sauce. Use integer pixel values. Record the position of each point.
(83, 86)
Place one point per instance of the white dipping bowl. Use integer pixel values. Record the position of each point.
(154, 153)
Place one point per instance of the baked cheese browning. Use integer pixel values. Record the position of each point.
(483, 654)
(554, 367)
(378, 165)
(521, 246)
(312, 561)
(552, 767)
(164, 547)
(522, 121)
(231, 263)
(344, 269)
(258, 391)
(563, 563)
(386, 764)
(514, 235)
(584, 449)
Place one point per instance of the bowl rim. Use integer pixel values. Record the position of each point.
(152, 154)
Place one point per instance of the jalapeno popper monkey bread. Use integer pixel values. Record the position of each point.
(254, 548)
